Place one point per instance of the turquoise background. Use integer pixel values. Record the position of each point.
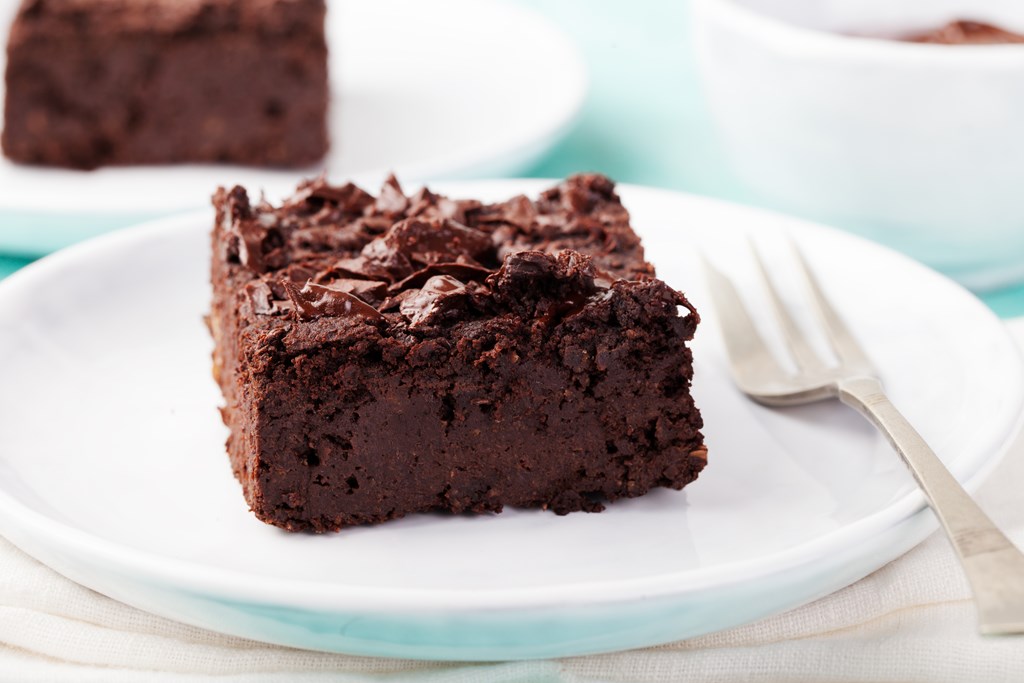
(644, 120)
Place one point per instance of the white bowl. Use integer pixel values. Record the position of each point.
(914, 145)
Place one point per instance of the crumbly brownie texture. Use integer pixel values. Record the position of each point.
(381, 356)
(97, 82)
(966, 33)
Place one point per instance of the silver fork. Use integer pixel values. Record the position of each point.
(994, 567)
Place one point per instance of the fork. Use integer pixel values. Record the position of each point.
(993, 566)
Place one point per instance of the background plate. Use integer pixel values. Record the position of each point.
(440, 89)
(113, 471)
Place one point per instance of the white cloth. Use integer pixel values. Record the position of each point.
(909, 621)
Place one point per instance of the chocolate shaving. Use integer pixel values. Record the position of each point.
(466, 272)
(299, 273)
(395, 302)
(523, 266)
(423, 202)
(518, 212)
(456, 210)
(317, 301)
(250, 245)
(358, 267)
(260, 297)
(348, 197)
(391, 200)
(417, 242)
(552, 287)
(438, 294)
(368, 290)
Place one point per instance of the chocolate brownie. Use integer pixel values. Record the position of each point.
(966, 33)
(387, 355)
(97, 82)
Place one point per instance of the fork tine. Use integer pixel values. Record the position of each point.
(843, 342)
(799, 348)
(750, 357)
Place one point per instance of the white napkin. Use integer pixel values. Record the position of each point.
(909, 621)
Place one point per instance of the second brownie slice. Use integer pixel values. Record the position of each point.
(381, 356)
(111, 82)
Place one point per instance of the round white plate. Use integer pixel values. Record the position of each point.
(113, 469)
(427, 89)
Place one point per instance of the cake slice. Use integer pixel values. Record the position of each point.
(381, 356)
(962, 32)
(96, 82)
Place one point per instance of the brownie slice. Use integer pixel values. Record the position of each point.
(966, 33)
(97, 82)
(387, 355)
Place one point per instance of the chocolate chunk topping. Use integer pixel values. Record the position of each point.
(238, 203)
(416, 243)
(299, 273)
(358, 267)
(247, 234)
(391, 200)
(553, 288)
(518, 211)
(394, 302)
(250, 245)
(522, 266)
(255, 239)
(455, 210)
(362, 255)
(461, 271)
(438, 294)
(260, 297)
(527, 270)
(583, 193)
(369, 291)
(424, 203)
(328, 238)
(317, 301)
(349, 197)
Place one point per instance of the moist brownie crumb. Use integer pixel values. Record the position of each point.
(381, 356)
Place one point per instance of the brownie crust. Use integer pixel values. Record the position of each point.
(112, 82)
(381, 356)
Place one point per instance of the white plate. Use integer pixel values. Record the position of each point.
(428, 89)
(113, 470)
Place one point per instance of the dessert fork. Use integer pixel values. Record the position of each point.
(994, 567)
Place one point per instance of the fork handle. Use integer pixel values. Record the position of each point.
(993, 565)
